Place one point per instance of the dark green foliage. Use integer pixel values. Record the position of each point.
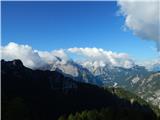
(93, 115)
(83, 115)
(110, 114)
(79, 117)
(107, 113)
(61, 118)
(71, 117)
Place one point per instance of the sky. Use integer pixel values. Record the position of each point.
(48, 26)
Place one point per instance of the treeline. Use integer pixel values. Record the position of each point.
(108, 114)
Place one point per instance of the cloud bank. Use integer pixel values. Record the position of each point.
(143, 18)
(30, 57)
(36, 59)
(99, 57)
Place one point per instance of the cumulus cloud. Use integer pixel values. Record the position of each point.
(143, 18)
(50, 57)
(37, 59)
(100, 57)
(30, 57)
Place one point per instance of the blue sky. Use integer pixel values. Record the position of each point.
(54, 25)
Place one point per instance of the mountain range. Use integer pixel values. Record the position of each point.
(137, 79)
(45, 95)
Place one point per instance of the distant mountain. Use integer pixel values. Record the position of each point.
(149, 88)
(137, 79)
(133, 79)
(124, 77)
(72, 69)
(45, 95)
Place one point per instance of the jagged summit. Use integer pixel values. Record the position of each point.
(16, 63)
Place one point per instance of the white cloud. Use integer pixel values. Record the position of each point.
(30, 57)
(36, 59)
(50, 57)
(24, 52)
(143, 18)
(100, 57)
